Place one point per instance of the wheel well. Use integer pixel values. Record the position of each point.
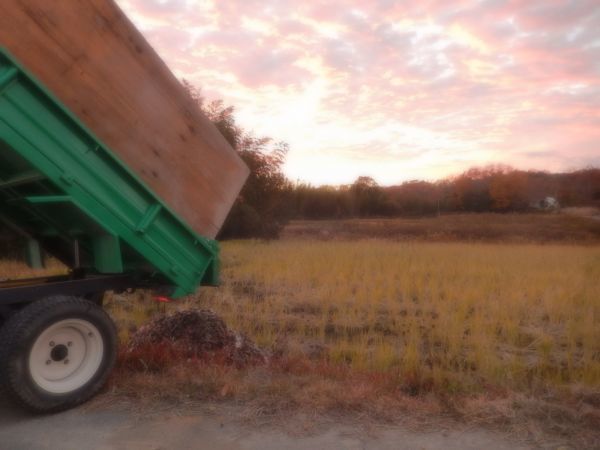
(95, 297)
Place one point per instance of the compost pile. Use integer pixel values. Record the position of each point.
(200, 334)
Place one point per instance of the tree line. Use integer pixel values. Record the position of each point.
(269, 199)
(489, 189)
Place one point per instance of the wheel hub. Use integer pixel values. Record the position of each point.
(59, 353)
(66, 356)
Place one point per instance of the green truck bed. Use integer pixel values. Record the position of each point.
(64, 189)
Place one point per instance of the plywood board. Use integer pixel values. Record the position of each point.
(95, 61)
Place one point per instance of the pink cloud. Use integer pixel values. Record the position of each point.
(461, 82)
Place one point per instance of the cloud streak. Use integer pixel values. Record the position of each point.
(396, 90)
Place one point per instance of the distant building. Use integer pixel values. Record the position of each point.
(547, 204)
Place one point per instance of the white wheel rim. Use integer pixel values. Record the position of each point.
(66, 356)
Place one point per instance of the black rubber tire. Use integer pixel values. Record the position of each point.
(20, 332)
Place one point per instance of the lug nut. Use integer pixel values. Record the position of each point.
(48, 362)
(66, 361)
(90, 334)
(69, 344)
(51, 343)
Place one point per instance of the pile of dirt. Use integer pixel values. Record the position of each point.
(199, 334)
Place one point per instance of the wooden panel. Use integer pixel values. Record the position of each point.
(96, 62)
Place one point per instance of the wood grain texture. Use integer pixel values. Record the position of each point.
(95, 61)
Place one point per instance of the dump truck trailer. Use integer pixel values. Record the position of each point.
(93, 201)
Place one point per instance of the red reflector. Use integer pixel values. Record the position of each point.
(162, 299)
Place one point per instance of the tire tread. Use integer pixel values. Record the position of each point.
(14, 335)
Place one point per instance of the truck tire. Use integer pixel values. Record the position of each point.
(56, 353)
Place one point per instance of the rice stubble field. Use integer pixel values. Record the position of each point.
(471, 331)
(502, 334)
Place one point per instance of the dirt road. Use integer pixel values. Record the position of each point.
(116, 428)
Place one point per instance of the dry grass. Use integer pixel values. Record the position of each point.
(502, 335)
(444, 317)
(507, 335)
(287, 387)
(502, 228)
(16, 269)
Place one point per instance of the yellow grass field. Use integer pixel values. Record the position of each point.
(506, 335)
(444, 316)
(447, 318)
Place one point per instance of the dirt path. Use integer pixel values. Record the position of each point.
(117, 428)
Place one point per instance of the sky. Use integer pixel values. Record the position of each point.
(395, 90)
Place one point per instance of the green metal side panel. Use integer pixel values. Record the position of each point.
(58, 181)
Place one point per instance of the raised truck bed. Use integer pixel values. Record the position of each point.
(68, 194)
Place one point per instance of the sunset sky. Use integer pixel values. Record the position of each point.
(396, 90)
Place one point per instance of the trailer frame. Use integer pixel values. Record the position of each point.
(69, 196)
